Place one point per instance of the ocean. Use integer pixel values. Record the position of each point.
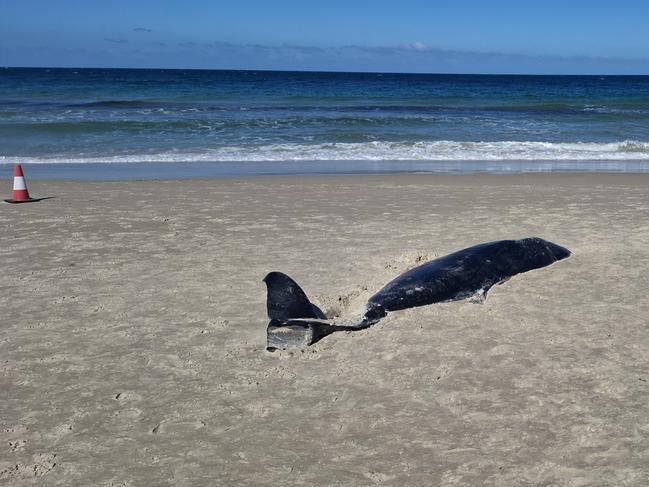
(104, 123)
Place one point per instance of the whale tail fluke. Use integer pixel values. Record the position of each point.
(292, 316)
(286, 300)
(281, 335)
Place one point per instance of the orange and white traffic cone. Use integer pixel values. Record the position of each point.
(20, 195)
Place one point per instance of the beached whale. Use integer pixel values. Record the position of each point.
(295, 322)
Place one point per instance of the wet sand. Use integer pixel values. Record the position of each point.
(132, 335)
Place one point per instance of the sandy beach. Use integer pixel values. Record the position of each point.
(132, 342)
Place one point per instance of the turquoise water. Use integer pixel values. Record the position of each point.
(341, 120)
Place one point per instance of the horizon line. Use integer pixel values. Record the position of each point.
(414, 73)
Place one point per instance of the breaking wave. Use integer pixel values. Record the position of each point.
(376, 151)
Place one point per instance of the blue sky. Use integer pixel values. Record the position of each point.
(457, 36)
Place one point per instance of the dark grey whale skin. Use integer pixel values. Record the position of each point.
(464, 273)
(286, 299)
(459, 275)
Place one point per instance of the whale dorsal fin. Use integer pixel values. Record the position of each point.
(287, 301)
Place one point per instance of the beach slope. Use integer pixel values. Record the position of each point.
(132, 342)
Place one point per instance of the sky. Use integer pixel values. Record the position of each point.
(434, 36)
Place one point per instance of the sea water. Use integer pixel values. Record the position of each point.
(87, 123)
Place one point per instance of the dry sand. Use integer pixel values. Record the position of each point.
(133, 332)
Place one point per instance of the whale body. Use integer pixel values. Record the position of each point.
(297, 323)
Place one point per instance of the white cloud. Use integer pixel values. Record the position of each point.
(416, 46)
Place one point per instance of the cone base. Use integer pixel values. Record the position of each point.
(29, 200)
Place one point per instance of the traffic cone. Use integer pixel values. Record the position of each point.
(20, 195)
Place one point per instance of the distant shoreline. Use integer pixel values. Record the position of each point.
(227, 170)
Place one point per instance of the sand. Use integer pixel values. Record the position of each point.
(132, 343)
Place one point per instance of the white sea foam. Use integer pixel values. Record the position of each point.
(380, 151)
